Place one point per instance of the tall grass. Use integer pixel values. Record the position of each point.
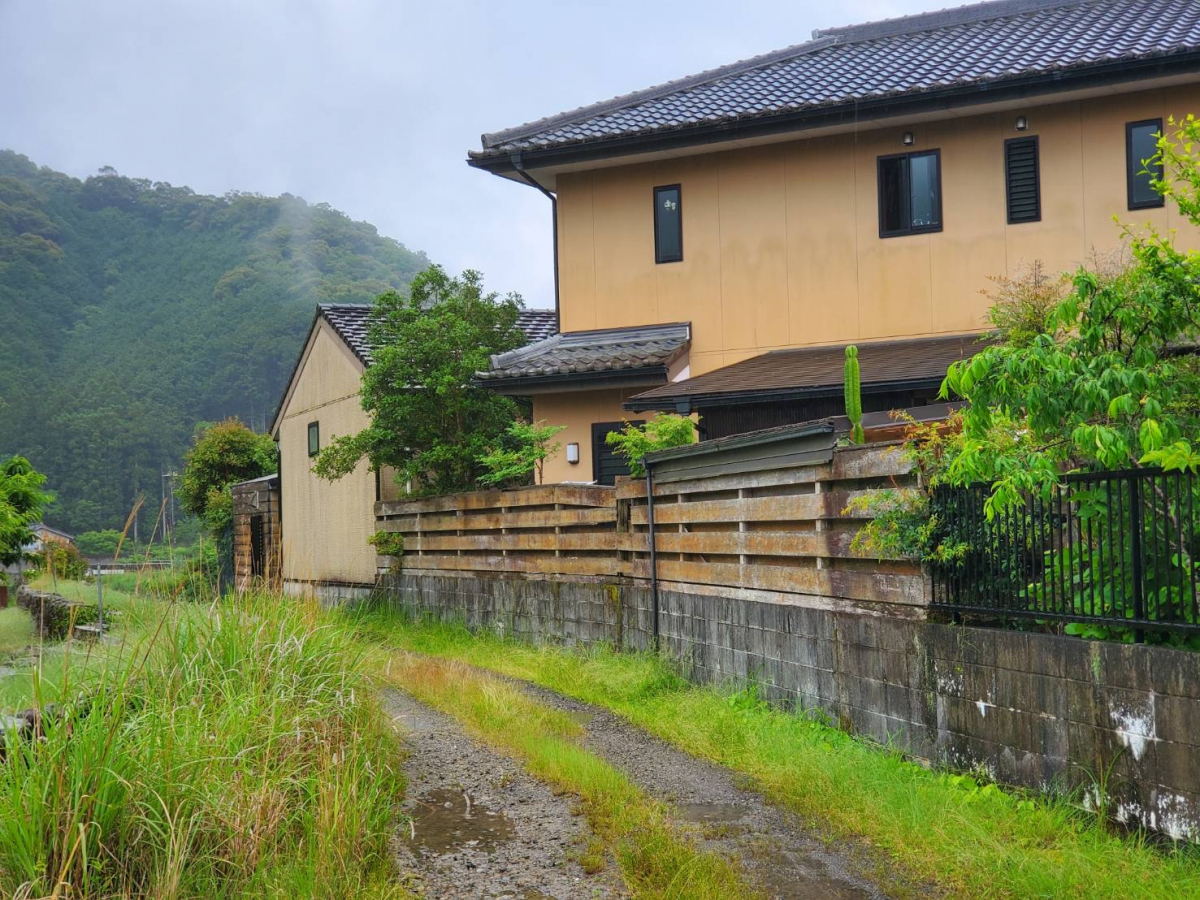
(234, 751)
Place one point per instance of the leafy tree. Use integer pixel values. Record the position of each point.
(1023, 304)
(664, 431)
(524, 454)
(99, 543)
(428, 420)
(1110, 381)
(224, 453)
(22, 502)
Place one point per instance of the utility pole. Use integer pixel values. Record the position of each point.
(168, 490)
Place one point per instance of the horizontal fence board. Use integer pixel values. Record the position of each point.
(539, 518)
(545, 495)
(588, 540)
(547, 565)
(750, 543)
(798, 507)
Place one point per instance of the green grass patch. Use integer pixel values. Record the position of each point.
(227, 750)
(656, 860)
(972, 840)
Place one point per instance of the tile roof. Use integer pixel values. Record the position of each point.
(976, 46)
(352, 322)
(582, 352)
(813, 371)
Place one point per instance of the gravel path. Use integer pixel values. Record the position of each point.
(480, 827)
(780, 856)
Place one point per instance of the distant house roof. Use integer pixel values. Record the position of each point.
(42, 527)
(813, 372)
(607, 354)
(1029, 46)
(352, 322)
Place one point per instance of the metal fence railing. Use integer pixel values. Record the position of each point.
(1111, 551)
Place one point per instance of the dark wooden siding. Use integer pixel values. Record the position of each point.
(723, 421)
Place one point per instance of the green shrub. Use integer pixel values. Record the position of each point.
(664, 431)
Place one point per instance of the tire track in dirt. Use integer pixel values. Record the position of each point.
(481, 828)
(781, 857)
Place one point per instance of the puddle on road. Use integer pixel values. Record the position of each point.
(579, 717)
(703, 813)
(443, 822)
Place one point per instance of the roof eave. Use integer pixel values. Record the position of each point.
(687, 403)
(523, 385)
(499, 162)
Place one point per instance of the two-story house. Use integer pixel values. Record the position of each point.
(720, 238)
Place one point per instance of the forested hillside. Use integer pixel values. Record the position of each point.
(133, 309)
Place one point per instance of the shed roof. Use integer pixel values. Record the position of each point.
(981, 47)
(588, 353)
(813, 371)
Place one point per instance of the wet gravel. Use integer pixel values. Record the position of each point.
(479, 826)
(779, 855)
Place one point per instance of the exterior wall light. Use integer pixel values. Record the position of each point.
(908, 139)
(573, 453)
(1022, 123)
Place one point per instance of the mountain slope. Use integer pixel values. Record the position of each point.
(132, 310)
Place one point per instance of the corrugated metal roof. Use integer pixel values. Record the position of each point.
(605, 350)
(971, 46)
(814, 370)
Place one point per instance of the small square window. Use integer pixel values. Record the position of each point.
(314, 438)
(1141, 143)
(910, 193)
(668, 224)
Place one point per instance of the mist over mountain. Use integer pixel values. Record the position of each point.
(132, 309)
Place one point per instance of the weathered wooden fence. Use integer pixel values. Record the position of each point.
(555, 529)
(785, 529)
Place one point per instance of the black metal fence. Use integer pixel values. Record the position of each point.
(1110, 554)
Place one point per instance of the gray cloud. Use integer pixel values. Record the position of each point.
(364, 104)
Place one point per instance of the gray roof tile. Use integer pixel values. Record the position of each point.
(985, 43)
(581, 352)
(352, 322)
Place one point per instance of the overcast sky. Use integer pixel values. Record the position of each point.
(367, 105)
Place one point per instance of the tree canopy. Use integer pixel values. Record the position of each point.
(134, 309)
(1111, 380)
(428, 420)
(224, 454)
(22, 502)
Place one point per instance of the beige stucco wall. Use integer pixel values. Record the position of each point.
(325, 524)
(781, 244)
(577, 411)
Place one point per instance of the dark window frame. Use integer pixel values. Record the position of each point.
(1131, 172)
(658, 257)
(1037, 179)
(936, 153)
(314, 428)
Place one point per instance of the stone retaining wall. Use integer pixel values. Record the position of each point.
(1029, 709)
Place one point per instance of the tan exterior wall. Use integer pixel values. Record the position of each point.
(325, 524)
(781, 245)
(577, 411)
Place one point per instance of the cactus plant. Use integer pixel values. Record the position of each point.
(853, 396)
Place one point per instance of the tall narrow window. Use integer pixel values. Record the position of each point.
(1022, 180)
(1141, 143)
(668, 224)
(910, 193)
(314, 438)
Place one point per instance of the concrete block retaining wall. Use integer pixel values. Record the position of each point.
(1029, 709)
